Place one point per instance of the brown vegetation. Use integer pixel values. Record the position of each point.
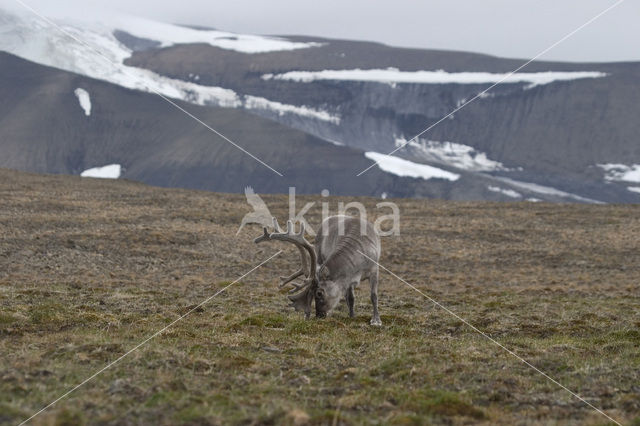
(89, 268)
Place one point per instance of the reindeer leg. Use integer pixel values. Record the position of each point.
(373, 279)
(351, 300)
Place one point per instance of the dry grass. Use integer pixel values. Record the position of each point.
(89, 268)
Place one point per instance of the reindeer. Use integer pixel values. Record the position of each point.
(346, 251)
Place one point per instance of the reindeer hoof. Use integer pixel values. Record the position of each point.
(376, 322)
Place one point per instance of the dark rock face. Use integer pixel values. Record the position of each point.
(137, 44)
(553, 134)
(45, 130)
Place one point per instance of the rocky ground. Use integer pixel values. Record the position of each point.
(91, 268)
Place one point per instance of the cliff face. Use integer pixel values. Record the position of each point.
(555, 131)
(553, 134)
(44, 129)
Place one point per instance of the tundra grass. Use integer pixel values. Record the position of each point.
(89, 269)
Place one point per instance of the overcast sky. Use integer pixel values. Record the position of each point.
(511, 28)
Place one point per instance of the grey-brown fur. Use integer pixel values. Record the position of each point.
(346, 251)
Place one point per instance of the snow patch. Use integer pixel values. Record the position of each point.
(28, 37)
(508, 192)
(402, 167)
(169, 35)
(254, 102)
(393, 75)
(634, 189)
(452, 154)
(546, 190)
(621, 172)
(111, 171)
(84, 99)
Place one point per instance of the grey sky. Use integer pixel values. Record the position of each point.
(511, 28)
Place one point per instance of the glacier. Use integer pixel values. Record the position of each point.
(93, 51)
(170, 34)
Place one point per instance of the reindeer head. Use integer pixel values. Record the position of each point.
(302, 295)
(327, 294)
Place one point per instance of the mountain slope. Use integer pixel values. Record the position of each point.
(557, 132)
(43, 128)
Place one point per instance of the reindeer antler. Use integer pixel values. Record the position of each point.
(297, 238)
